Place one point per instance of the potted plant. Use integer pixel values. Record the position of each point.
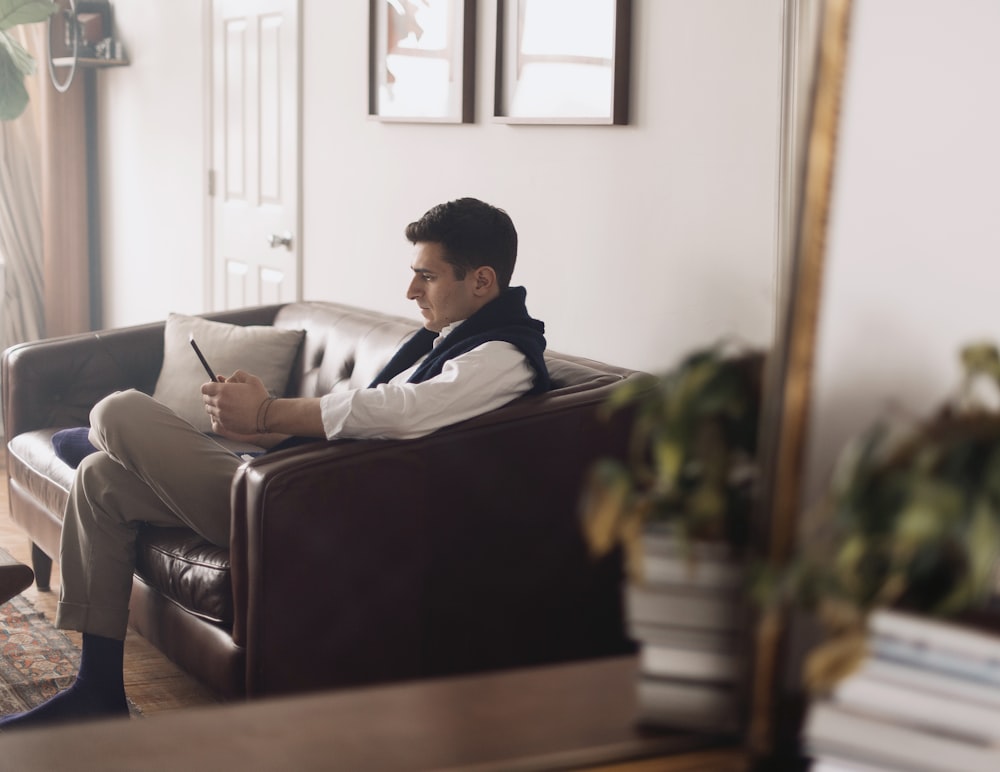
(679, 507)
(911, 523)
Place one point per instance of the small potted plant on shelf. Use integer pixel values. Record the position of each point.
(679, 506)
(911, 523)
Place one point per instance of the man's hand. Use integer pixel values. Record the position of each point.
(233, 405)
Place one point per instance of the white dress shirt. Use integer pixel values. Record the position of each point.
(483, 379)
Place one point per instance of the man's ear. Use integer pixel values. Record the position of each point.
(484, 280)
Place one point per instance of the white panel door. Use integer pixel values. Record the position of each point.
(255, 152)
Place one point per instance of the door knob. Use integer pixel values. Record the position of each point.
(280, 240)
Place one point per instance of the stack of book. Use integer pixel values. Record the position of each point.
(684, 615)
(927, 697)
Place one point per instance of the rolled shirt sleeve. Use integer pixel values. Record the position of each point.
(483, 379)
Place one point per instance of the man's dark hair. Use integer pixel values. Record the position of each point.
(473, 234)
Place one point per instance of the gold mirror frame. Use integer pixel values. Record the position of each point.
(786, 409)
(785, 412)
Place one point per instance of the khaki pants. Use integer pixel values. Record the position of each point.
(155, 468)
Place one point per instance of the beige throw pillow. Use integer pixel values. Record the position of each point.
(267, 352)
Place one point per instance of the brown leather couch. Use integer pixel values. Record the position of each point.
(351, 562)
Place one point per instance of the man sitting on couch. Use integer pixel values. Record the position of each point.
(478, 350)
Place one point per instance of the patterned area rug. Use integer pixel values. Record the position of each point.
(36, 660)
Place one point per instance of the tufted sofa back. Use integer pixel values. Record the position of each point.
(344, 347)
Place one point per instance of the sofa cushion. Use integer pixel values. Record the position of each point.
(36, 469)
(73, 445)
(188, 570)
(267, 352)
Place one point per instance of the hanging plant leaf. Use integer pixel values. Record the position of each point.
(21, 60)
(15, 62)
(14, 12)
(13, 94)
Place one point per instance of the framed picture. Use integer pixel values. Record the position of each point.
(563, 61)
(421, 57)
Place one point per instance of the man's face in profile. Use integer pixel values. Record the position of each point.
(441, 297)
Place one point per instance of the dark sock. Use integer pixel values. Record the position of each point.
(99, 689)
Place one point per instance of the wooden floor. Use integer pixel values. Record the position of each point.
(152, 682)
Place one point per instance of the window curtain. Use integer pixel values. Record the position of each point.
(66, 221)
(22, 314)
(44, 221)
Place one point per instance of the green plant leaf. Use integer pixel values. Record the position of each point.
(981, 358)
(20, 58)
(832, 660)
(642, 388)
(991, 477)
(631, 539)
(14, 12)
(604, 505)
(668, 455)
(983, 546)
(13, 94)
(706, 507)
(691, 456)
(933, 507)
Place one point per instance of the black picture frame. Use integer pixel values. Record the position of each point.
(572, 72)
(421, 64)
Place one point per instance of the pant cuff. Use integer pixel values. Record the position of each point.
(95, 620)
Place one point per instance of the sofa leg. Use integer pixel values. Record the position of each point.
(41, 564)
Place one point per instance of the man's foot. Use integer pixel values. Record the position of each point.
(77, 702)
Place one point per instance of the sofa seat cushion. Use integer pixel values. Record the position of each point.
(187, 570)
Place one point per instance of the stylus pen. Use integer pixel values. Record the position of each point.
(204, 362)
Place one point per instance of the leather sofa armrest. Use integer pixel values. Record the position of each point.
(455, 552)
(324, 565)
(55, 382)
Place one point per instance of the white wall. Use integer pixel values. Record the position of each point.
(637, 242)
(912, 268)
(152, 160)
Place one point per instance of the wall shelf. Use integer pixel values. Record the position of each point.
(81, 36)
(85, 61)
